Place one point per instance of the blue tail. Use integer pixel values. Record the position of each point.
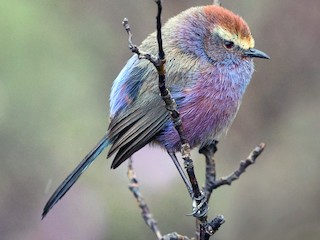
(75, 174)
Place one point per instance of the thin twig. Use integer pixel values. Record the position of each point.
(175, 236)
(251, 159)
(208, 151)
(145, 211)
(217, 2)
(134, 48)
(212, 183)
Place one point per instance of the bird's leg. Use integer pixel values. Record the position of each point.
(199, 205)
(181, 172)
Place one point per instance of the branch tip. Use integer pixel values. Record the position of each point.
(215, 224)
(216, 2)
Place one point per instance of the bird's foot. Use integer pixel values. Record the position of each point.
(199, 206)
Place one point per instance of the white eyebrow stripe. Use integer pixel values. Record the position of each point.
(224, 34)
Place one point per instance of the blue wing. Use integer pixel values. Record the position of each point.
(137, 110)
(126, 86)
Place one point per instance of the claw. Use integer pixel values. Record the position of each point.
(199, 206)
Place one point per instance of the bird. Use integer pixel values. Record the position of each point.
(209, 64)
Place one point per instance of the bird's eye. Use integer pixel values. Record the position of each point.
(228, 44)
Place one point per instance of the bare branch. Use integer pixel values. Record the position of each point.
(242, 168)
(145, 211)
(206, 230)
(209, 151)
(134, 48)
(213, 226)
(175, 236)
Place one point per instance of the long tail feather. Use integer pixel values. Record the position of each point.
(75, 174)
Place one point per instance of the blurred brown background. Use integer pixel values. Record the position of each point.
(58, 60)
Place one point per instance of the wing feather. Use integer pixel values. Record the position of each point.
(145, 137)
(133, 131)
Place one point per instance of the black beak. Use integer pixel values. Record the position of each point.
(252, 52)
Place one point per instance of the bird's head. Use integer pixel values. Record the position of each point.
(215, 32)
(228, 36)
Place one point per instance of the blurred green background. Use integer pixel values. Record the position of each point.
(58, 60)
